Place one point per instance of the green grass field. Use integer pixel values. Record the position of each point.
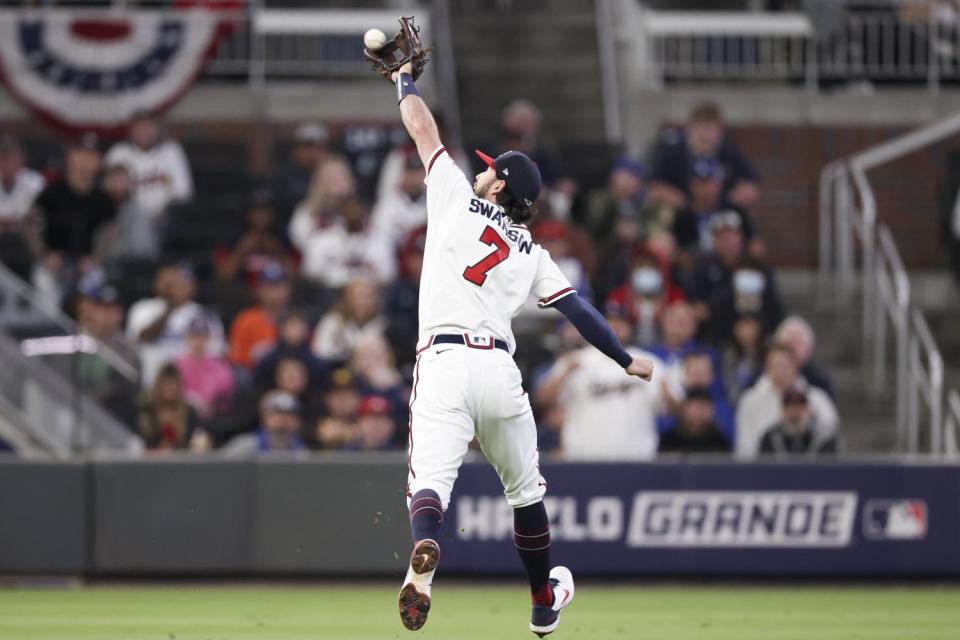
(488, 612)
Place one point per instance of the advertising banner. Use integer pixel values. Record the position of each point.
(710, 519)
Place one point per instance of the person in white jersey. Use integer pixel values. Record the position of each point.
(479, 267)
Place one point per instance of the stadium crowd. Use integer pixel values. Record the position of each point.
(301, 333)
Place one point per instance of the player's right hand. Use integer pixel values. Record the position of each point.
(640, 367)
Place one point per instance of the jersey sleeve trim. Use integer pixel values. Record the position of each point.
(563, 293)
(434, 156)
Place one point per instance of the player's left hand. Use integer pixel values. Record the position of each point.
(640, 367)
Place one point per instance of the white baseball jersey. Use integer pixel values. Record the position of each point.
(160, 175)
(478, 267)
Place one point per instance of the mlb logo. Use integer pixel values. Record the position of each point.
(895, 519)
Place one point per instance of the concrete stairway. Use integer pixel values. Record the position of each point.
(543, 50)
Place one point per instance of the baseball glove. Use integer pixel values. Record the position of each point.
(405, 47)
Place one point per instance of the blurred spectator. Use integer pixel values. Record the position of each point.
(520, 125)
(278, 430)
(347, 248)
(394, 162)
(403, 207)
(292, 376)
(158, 325)
(166, 420)
(703, 137)
(760, 407)
(697, 373)
(207, 378)
(796, 434)
(678, 327)
(376, 373)
(355, 314)
(402, 298)
(70, 212)
(554, 236)
(696, 429)
(331, 184)
(743, 358)
(607, 416)
(615, 215)
(254, 331)
(258, 245)
(157, 164)
(375, 425)
(293, 342)
(19, 187)
(342, 403)
(796, 333)
(134, 234)
(726, 284)
(100, 315)
(292, 177)
(643, 296)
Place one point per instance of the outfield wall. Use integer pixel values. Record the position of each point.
(343, 515)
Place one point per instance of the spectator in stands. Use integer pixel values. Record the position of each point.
(157, 163)
(69, 213)
(702, 138)
(697, 372)
(375, 425)
(278, 431)
(100, 315)
(796, 333)
(402, 297)
(520, 123)
(696, 429)
(293, 377)
(293, 342)
(743, 358)
(342, 402)
(254, 331)
(258, 244)
(347, 248)
(165, 419)
(356, 313)
(592, 390)
(332, 184)
(19, 187)
(555, 237)
(645, 293)
(725, 283)
(208, 382)
(796, 434)
(134, 234)
(291, 180)
(159, 325)
(678, 327)
(761, 406)
(614, 215)
(402, 208)
(376, 373)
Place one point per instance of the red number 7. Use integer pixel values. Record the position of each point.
(477, 273)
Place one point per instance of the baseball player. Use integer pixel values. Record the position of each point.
(480, 265)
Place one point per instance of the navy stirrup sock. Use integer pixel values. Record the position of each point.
(531, 535)
(426, 515)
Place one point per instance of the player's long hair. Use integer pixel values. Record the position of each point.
(515, 208)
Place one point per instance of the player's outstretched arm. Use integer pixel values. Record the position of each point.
(597, 332)
(416, 115)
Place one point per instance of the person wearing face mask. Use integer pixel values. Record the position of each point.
(644, 294)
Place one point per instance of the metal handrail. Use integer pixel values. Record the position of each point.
(951, 424)
(10, 281)
(885, 283)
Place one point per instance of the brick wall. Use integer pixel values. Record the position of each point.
(790, 159)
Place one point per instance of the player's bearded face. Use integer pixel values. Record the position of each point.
(483, 181)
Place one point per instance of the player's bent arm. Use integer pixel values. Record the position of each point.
(416, 116)
(597, 332)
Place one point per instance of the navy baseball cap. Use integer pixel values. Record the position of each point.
(518, 171)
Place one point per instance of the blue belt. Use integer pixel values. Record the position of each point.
(452, 338)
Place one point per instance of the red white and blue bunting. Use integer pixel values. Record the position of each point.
(94, 69)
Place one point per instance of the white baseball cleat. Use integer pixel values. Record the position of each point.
(414, 597)
(545, 620)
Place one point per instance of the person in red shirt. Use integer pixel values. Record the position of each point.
(254, 331)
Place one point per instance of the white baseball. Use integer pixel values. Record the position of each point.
(374, 39)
